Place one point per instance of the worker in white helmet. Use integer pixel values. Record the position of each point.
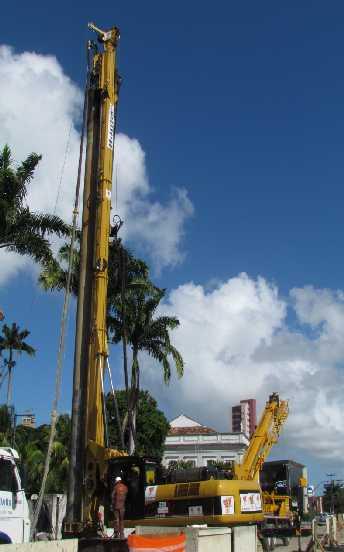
(119, 496)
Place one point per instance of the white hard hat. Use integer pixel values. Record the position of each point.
(118, 479)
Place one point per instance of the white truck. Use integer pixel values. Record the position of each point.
(14, 509)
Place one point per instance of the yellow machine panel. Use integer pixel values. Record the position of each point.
(214, 502)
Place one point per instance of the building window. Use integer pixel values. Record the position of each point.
(169, 461)
(191, 462)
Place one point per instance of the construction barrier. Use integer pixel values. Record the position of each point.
(157, 543)
(68, 545)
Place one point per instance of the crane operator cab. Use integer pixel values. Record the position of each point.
(183, 497)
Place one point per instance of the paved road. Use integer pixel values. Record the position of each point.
(293, 546)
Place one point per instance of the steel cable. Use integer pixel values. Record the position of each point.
(64, 317)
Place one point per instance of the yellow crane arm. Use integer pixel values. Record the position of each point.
(89, 452)
(104, 71)
(265, 436)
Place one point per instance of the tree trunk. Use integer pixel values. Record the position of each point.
(132, 433)
(125, 423)
(133, 401)
(9, 382)
(118, 419)
(128, 419)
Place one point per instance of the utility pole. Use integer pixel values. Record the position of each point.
(332, 481)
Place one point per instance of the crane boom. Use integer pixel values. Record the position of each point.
(264, 437)
(89, 444)
(104, 70)
(94, 466)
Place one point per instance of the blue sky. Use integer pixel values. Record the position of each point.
(241, 106)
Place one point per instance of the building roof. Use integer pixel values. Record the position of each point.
(184, 421)
(197, 430)
(183, 425)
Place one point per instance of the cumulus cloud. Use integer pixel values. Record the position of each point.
(156, 228)
(237, 342)
(40, 110)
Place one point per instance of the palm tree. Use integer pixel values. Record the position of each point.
(125, 273)
(13, 339)
(54, 274)
(132, 302)
(22, 230)
(147, 333)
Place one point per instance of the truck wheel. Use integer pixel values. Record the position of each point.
(285, 541)
(4, 539)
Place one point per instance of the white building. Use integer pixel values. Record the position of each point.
(193, 442)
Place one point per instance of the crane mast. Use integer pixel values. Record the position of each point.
(92, 462)
(89, 450)
(264, 437)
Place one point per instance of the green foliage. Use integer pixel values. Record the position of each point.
(132, 316)
(32, 444)
(333, 498)
(151, 424)
(22, 230)
(5, 420)
(145, 330)
(180, 465)
(13, 339)
(54, 274)
(5, 426)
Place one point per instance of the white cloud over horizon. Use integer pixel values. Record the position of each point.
(238, 342)
(236, 336)
(40, 110)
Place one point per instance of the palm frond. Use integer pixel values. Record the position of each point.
(41, 223)
(5, 158)
(27, 168)
(31, 244)
(52, 276)
(178, 360)
(27, 349)
(21, 230)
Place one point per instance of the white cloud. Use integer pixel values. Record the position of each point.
(237, 344)
(40, 110)
(156, 228)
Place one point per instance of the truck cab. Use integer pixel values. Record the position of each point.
(14, 509)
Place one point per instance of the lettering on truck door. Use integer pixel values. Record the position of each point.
(11, 502)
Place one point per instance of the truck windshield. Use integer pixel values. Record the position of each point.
(8, 480)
